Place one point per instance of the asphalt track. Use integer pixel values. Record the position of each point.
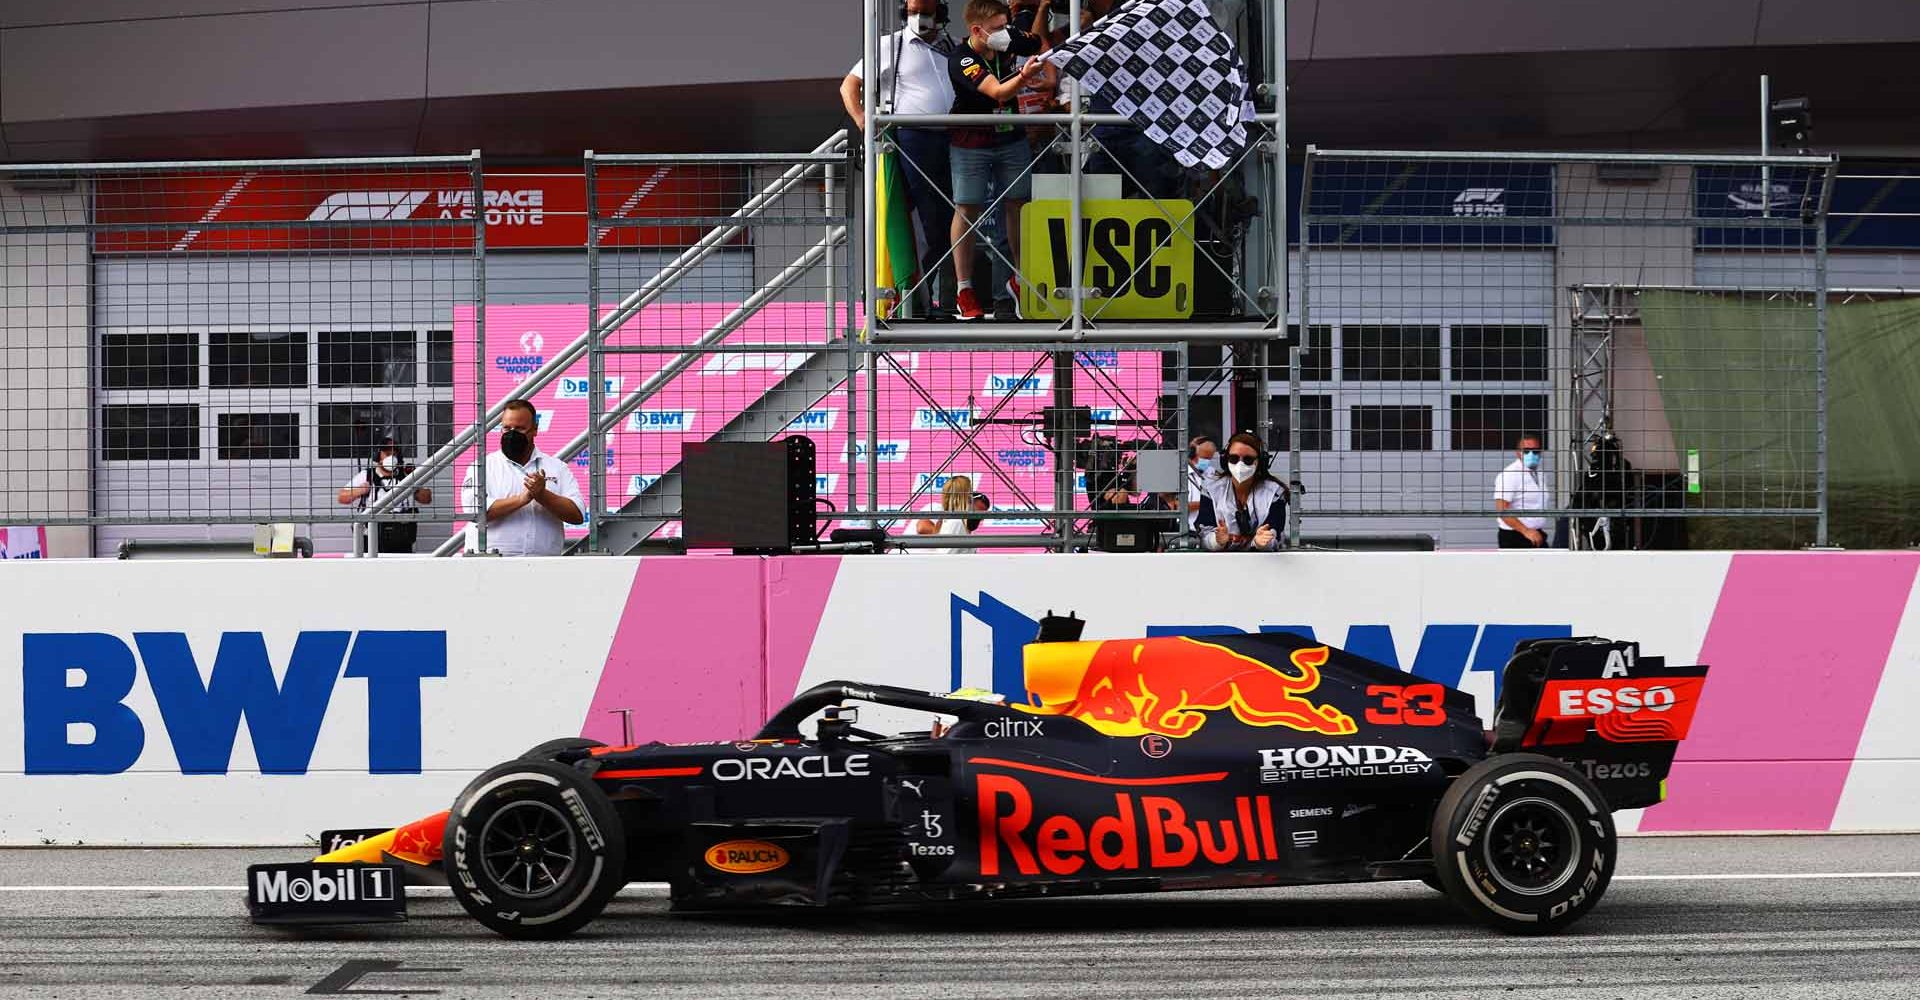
(1748, 917)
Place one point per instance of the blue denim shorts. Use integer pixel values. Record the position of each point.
(1005, 164)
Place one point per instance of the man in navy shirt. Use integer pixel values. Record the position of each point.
(986, 82)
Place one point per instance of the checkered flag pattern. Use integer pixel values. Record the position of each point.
(1164, 64)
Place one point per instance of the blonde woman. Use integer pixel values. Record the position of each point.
(956, 497)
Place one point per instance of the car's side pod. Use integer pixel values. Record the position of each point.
(1615, 716)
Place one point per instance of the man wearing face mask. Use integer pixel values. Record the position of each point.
(1203, 467)
(368, 484)
(913, 81)
(531, 496)
(1246, 509)
(1519, 488)
(985, 82)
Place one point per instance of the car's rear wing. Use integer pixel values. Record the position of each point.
(1611, 713)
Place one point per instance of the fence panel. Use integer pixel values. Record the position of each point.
(1457, 305)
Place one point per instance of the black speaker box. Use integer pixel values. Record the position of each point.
(754, 498)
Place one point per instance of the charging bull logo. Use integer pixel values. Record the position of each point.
(1133, 687)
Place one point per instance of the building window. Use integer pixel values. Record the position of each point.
(439, 426)
(257, 360)
(1316, 423)
(439, 357)
(1390, 353)
(352, 430)
(167, 433)
(1499, 354)
(250, 436)
(1392, 428)
(367, 358)
(1316, 355)
(151, 360)
(1494, 423)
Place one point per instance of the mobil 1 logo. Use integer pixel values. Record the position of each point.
(310, 893)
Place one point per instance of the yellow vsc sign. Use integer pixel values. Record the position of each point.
(1133, 252)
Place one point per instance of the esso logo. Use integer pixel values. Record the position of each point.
(1608, 700)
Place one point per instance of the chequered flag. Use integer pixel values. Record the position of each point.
(1166, 66)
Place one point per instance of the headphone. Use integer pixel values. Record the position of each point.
(939, 12)
(1262, 459)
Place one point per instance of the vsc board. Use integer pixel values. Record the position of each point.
(1137, 253)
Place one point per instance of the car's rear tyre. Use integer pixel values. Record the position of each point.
(1524, 843)
(547, 750)
(534, 850)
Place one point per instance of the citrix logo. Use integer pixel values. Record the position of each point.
(76, 718)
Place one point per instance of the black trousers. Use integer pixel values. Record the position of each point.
(397, 536)
(1511, 539)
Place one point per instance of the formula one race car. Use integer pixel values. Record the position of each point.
(1128, 765)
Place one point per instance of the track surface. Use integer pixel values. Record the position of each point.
(1674, 935)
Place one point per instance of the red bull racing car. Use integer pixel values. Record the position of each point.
(1128, 765)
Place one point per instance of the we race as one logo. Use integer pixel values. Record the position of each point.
(515, 207)
(78, 699)
(576, 388)
(1480, 201)
(1017, 385)
(661, 421)
(367, 206)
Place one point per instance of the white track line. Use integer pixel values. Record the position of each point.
(1717, 877)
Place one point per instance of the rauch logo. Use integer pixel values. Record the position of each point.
(661, 420)
(1447, 652)
(75, 687)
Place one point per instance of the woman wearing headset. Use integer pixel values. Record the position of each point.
(956, 496)
(1246, 509)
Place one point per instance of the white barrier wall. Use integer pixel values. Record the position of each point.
(258, 702)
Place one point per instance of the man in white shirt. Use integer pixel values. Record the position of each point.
(1520, 487)
(921, 86)
(367, 485)
(1202, 468)
(531, 497)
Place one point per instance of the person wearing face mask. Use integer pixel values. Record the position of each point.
(368, 484)
(914, 81)
(1203, 467)
(1519, 488)
(1246, 509)
(531, 496)
(985, 81)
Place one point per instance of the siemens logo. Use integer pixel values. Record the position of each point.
(927, 418)
(519, 364)
(661, 420)
(1018, 385)
(884, 451)
(576, 388)
(821, 419)
(76, 685)
(1023, 458)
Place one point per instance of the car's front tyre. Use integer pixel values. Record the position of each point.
(534, 850)
(1524, 843)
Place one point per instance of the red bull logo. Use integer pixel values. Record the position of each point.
(1134, 687)
(1150, 832)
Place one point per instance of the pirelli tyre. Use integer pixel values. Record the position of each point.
(1524, 843)
(534, 850)
(553, 748)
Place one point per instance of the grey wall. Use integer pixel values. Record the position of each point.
(44, 453)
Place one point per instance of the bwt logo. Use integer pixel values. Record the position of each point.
(928, 418)
(1447, 653)
(884, 451)
(1106, 416)
(1018, 385)
(929, 482)
(75, 687)
(576, 388)
(637, 485)
(1023, 458)
(1104, 360)
(585, 459)
(821, 419)
(542, 419)
(824, 483)
(661, 420)
(1480, 201)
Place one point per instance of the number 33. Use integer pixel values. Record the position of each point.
(1412, 705)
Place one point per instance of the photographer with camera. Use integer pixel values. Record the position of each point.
(1245, 510)
(378, 477)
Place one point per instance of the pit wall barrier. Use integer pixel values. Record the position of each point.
(260, 702)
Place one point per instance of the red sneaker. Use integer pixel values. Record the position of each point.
(1013, 293)
(969, 305)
